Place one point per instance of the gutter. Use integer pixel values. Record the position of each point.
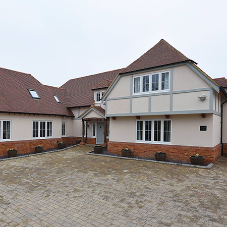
(224, 92)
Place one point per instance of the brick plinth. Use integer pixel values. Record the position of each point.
(174, 152)
(225, 149)
(28, 146)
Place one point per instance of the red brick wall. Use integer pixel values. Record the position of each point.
(28, 146)
(225, 149)
(174, 152)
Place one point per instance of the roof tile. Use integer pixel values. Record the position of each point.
(159, 55)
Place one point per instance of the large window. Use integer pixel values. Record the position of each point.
(155, 131)
(5, 130)
(156, 82)
(63, 129)
(42, 129)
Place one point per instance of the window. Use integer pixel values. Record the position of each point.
(5, 130)
(136, 84)
(155, 131)
(99, 95)
(139, 130)
(57, 99)
(165, 81)
(63, 129)
(93, 129)
(155, 78)
(34, 94)
(42, 129)
(145, 83)
(151, 83)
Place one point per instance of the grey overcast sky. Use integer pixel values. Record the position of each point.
(57, 40)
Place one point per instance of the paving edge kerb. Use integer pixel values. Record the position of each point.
(34, 154)
(209, 166)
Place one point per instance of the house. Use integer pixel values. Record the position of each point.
(161, 102)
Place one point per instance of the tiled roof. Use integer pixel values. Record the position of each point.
(103, 84)
(159, 55)
(79, 89)
(100, 109)
(221, 81)
(62, 95)
(15, 97)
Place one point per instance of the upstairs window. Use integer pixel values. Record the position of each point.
(5, 130)
(157, 82)
(57, 99)
(99, 95)
(136, 84)
(34, 94)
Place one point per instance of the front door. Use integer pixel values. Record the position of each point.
(100, 133)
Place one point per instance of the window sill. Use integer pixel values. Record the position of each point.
(151, 92)
(40, 138)
(152, 142)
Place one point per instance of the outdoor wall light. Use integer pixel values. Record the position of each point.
(202, 97)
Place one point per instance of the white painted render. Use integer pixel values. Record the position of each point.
(122, 129)
(122, 88)
(185, 129)
(190, 101)
(77, 111)
(185, 79)
(216, 129)
(118, 106)
(22, 125)
(160, 103)
(93, 114)
(224, 138)
(140, 104)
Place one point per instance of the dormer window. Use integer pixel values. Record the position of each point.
(57, 99)
(34, 94)
(99, 95)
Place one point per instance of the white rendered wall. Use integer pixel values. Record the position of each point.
(185, 129)
(122, 88)
(22, 125)
(185, 79)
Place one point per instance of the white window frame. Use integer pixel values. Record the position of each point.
(36, 96)
(101, 92)
(63, 123)
(94, 125)
(46, 137)
(150, 83)
(57, 99)
(1, 130)
(152, 132)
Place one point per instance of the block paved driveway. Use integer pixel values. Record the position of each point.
(69, 188)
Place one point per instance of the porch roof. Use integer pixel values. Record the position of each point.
(93, 112)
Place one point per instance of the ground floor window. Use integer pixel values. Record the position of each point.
(42, 129)
(93, 128)
(63, 129)
(155, 131)
(5, 130)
